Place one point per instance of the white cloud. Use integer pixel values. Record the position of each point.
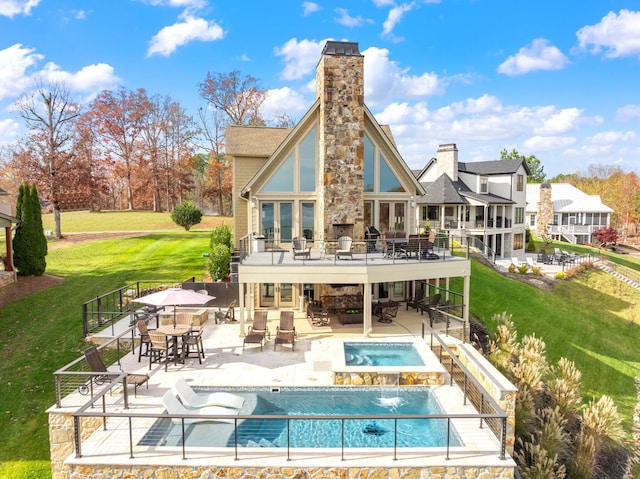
(548, 143)
(14, 62)
(395, 15)
(628, 112)
(169, 38)
(11, 8)
(309, 7)
(618, 35)
(384, 80)
(191, 4)
(300, 57)
(9, 131)
(349, 21)
(537, 56)
(90, 79)
(284, 100)
(384, 3)
(612, 137)
(559, 122)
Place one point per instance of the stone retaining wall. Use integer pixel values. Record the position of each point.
(343, 378)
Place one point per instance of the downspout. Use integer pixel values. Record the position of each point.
(9, 236)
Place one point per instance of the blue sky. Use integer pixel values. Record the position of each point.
(559, 80)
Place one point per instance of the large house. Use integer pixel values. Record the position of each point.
(483, 200)
(561, 211)
(334, 174)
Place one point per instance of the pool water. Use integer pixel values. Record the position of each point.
(303, 433)
(381, 354)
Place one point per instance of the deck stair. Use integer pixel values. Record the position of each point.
(621, 277)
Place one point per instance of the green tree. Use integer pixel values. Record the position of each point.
(533, 163)
(186, 214)
(29, 242)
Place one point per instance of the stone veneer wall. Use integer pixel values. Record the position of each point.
(544, 216)
(500, 389)
(213, 472)
(340, 88)
(348, 378)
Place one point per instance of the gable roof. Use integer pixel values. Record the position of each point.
(445, 191)
(493, 167)
(259, 141)
(566, 198)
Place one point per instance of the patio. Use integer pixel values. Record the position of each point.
(227, 364)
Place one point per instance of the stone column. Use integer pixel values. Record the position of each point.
(545, 211)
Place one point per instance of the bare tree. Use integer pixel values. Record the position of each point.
(50, 113)
(240, 98)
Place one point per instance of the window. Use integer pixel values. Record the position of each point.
(519, 219)
(520, 183)
(307, 162)
(518, 241)
(484, 184)
(308, 220)
(432, 212)
(388, 180)
(532, 220)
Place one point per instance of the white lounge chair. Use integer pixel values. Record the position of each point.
(192, 399)
(173, 406)
(530, 262)
(515, 261)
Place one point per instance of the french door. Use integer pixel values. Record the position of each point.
(276, 221)
(279, 295)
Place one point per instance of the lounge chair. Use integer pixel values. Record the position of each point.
(530, 262)
(175, 407)
(432, 303)
(515, 262)
(416, 300)
(300, 248)
(344, 247)
(193, 400)
(228, 316)
(286, 332)
(96, 365)
(258, 332)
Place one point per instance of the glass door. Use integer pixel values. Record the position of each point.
(276, 295)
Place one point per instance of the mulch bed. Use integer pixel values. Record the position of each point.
(27, 285)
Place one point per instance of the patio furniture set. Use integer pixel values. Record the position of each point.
(557, 257)
(258, 332)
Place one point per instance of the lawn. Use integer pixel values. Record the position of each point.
(593, 320)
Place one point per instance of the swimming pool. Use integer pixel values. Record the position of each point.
(360, 432)
(381, 354)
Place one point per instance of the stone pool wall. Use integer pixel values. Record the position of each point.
(357, 378)
(213, 472)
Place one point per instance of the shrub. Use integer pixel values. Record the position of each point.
(221, 235)
(29, 242)
(523, 268)
(219, 260)
(511, 268)
(536, 270)
(561, 275)
(186, 214)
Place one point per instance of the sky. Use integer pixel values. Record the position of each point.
(556, 79)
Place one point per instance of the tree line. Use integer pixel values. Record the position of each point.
(129, 149)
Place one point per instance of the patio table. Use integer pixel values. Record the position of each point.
(176, 331)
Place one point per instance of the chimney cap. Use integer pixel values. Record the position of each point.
(347, 49)
(447, 147)
(545, 185)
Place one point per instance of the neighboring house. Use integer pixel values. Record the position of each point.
(561, 211)
(334, 174)
(484, 200)
(8, 273)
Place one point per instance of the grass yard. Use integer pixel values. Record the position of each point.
(43, 332)
(593, 320)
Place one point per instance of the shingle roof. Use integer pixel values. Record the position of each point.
(259, 141)
(566, 198)
(493, 167)
(445, 191)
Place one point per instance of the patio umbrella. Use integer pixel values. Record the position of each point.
(175, 297)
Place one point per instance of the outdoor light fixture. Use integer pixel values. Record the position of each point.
(254, 202)
(412, 201)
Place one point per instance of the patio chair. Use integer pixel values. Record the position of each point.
(192, 343)
(388, 312)
(300, 248)
(416, 300)
(193, 400)
(228, 316)
(344, 247)
(144, 338)
(258, 332)
(515, 262)
(161, 346)
(96, 365)
(175, 407)
(530, 262)
(432, 303)
(286, 332)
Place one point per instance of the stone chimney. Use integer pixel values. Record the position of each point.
(545, 211)
(447, 160)
(340, 90)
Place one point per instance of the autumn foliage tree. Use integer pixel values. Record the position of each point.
(606, 235)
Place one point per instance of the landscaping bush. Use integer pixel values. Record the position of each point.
(536, 270)
(219, 260)
(222, 235)
(511, 268)
(29, 242)
(561, 275)
(186, 214)
(523, 268)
